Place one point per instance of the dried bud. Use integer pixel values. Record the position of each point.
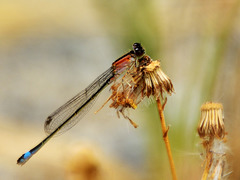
(155, 80)
(212, 131)
(211, 121)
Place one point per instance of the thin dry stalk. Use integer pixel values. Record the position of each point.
(165, 138)
(208, 159)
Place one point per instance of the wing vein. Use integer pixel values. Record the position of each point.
(66, 116)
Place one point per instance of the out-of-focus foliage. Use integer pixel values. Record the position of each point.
(50, 50)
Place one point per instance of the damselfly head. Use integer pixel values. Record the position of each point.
(139, 51)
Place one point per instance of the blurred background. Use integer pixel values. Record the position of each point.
(51, 50)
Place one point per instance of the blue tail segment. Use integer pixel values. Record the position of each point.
(25, 157)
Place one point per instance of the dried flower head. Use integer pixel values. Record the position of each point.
(212, 131)
(143, 80)
(211, 121)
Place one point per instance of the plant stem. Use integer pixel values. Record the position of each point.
(165, 138)
(209, 158)
(207, 166)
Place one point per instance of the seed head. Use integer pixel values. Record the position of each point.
(211, 121)
(155, 80)
(212, 131)
(143, 80)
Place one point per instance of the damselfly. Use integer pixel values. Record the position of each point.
(72, 111)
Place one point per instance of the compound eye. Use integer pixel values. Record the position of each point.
(136, 44)
(138, 49)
